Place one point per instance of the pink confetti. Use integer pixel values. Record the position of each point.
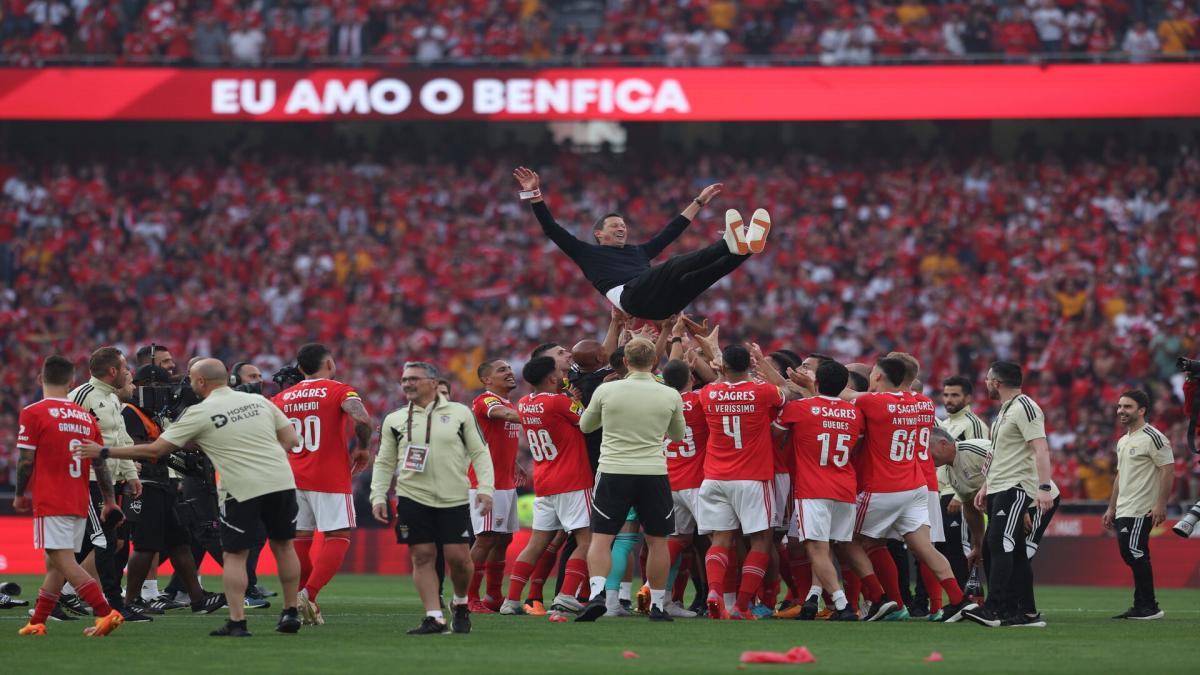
(934, 657)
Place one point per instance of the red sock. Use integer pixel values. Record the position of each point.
(885, 569)
(682, 577)
(715, 564)
(871, 588)
(932, 587)
(476, 580)
(768, 593)
(730, 584)
(853, 587)
(45, 605)
(785, 569)
(303, 546)
(753, 571)
(801, 568)
(521, 572)
(495, 579)
(94, 597)
(545, 564)
(329, 561)
(675, 548)
(575, 575)
(953, 592)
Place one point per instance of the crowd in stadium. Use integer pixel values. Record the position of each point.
(690, 32)
(958, 263)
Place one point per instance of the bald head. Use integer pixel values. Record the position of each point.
(589, 355)
(208, 375)
(860, 374)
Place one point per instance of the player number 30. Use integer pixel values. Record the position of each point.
(309, 431)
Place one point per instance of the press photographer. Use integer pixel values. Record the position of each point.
(157, 529)
(1191, 403)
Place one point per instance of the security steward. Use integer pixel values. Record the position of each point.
(247, 438)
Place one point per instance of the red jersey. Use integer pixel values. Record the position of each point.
(560, 459)
(739, 416)
(894, 430)
(321, 462)
(52, 428)
(502, 437)
(924, 457)
(685, 459)
(824, 433)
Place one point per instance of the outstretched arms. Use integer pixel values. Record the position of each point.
(530, 182)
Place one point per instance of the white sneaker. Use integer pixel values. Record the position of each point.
(676, 610)
(756, 233)
(566, 604)
(620, 610)
(735, 238)
(308, 614)
(511, 608)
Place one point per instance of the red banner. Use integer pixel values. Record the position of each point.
(643, 94)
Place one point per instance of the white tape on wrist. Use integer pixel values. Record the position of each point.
(529, 194)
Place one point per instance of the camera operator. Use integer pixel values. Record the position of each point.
(246, 377)
(158, 530)
(158, 355)
(247, 438)
(1191, 405)
(109, 373)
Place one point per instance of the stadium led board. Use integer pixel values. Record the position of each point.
(620, 94)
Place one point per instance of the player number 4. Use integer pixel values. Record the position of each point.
(732, 426)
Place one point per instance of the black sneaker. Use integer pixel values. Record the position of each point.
(10, 588)
(263, 592)
(657, 614)
(918, 611)
(844, 614)
(880, 609)
(289, 621)
(595, 609)
(1021, 620)
(1145, 613)
(57, 614)
(8, 602)
(211, 603)
(165, 602)
(1126, 613)
(627, 604)
(231, 629)
(430, 626)
(983, 616)
(141, 606)
(698, 606)
(954, 613)
(73, 604)
(132, 615)
(461, 621)
(808, 611)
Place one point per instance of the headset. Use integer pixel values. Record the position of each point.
(235, 373)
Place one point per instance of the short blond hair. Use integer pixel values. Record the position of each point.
(912, 367)
(640, 353)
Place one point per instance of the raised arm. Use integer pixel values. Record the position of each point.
(679, 223)
(531, 184)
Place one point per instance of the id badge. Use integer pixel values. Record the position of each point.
(414, 458)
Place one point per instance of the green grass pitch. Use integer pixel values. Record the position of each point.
(367, 616)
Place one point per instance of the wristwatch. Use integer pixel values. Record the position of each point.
(698, 202)
(1046, 487)
(104, 452)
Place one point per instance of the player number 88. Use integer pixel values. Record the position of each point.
(541, 446)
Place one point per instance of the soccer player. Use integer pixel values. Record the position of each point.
(501, 426)
(48, 433)
(895, 496)
(962, 463)
(320, 408)
(685, 470)
(962, 425)
(1145, 474)
(1018, 478)
(737, 491)
(622, 272)
(562, 481)
(824, 431)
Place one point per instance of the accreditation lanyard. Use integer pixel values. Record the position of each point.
(415, 456)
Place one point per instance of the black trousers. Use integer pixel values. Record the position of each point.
(668, 288)
(1133, 536)
(1010, 575)
(954, 527)
(106, 555)
(1040, 522)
